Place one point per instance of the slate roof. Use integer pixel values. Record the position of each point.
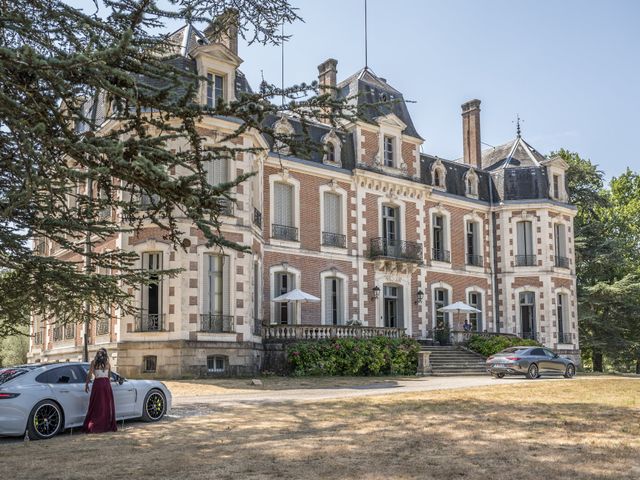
(455, 177)
(516, 153)
(369, 90)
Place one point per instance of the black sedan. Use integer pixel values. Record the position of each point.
(530, 362)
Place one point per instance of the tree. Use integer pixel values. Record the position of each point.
(607, 241)
(14, 349)
(64, 162)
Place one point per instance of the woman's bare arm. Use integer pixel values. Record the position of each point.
(89, 374)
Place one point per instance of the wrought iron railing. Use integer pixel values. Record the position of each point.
(284, 232)
(150, 322)
(399, 249)
(257, 218)
(102, 326)
(565, 338)
(525, 260)
(225, 206)
(334, 240)
(69, 331)
(57, 333)
(475, 260)
(257, 326)
(319, 332)
(562, 262)
(440, 255)
(214, 323)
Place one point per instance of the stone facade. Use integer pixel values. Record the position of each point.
(396, 243)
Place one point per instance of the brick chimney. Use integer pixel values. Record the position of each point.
(224, 29)
(327, 73)
(471, 133)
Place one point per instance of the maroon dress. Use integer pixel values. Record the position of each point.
(101, 416)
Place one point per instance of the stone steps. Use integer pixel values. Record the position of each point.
(454, 360)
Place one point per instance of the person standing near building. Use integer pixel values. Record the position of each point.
(101, 415)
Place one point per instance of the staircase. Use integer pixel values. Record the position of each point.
(453, 360)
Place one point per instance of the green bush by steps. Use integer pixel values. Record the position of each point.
(354, 356)
(490, 345)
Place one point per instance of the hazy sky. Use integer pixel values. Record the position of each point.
(570, 68)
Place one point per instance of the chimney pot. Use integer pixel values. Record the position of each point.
(327, 76)
(471, 133)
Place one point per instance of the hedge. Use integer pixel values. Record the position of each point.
(490, 345)
(354, 356)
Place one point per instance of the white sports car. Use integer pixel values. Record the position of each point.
(45, 399)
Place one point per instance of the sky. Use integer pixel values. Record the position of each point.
(570, 69)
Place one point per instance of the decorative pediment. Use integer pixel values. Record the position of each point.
(391, 120)
(217, 52)
(556, 161)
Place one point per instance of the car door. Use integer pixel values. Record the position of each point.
(67, 384)
(540, 358)
(556, 365)
(125, 397)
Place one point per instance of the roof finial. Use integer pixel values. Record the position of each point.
(366, 60)
(518, 130)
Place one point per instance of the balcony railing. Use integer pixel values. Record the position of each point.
(257, 218)
(565, 338)
(475, 260)
(319, 332)
(57, 333)
(398, 249)
(562, 262)
(284, 232)
(225, 206)
(440, 255)
(257, 326)
(334, 240)
(37, 338)
(525, 260)
(214, 323)
(150, 322)
(102, 326)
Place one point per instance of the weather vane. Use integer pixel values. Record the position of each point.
(518, 129)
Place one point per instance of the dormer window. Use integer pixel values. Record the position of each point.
(331, 153)
(471, 183)
(388, 151)
(438, 174)
(436, 178)
(215, 89)
(556, 187)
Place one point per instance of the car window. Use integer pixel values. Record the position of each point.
(549, 353)
(7, 374)
(66, 374)
(513, 350)
(538, 352)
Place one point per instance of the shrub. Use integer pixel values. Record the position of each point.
(354, 356)
(490, 345)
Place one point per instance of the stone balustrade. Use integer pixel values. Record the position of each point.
(319, 332)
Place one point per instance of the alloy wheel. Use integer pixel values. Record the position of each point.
(46, 420)
(155, 405)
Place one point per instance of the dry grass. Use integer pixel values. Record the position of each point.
(227, 386)
(582, 429)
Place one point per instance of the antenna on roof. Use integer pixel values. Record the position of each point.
(366, 63)
(282, 65)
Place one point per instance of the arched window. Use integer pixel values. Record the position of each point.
(471, 183)
(332, 144)
(331, 153)
(436, 178)
(438, 173)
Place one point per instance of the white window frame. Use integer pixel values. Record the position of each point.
(447, 234)
(444, 286)
(335, 189)
(345, 299)
(288, 179)
(272, 291)
(439, 167)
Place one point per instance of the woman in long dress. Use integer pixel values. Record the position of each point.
(101, 416)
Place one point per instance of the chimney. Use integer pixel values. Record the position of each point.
(327, 73)
(224, 29)
(471, 133)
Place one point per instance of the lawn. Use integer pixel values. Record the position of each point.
(581, 429)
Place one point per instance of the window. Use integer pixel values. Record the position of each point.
(331, 153)
(215, 89)
(66, 374)
(439, 239)
(215, 363)
(475, 319)
(438, 174)
(332, 234)
(388, 151)
(283, 221)
(436, 178)
(473, 247)
(471, 183)
(149, 364)
(151, 315)
(256, 291)
(216, 304)
(440, 299)
(562, 318)
(560, 240)
(333, 301)
(525, 256)
(556, 186)
(527, 314)
(284, 312)
(393, 306)
(217, 170)
(390, 224)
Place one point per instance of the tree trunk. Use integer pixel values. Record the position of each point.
(638, 365)
(596, 357)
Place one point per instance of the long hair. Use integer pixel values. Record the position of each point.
(101, 359)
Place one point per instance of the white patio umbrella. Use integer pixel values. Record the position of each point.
(459, 307)
(296, 296)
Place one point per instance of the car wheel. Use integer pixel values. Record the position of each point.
(570, 371)
(533, 371)
(499, 375)
(45, 420)
(155, 406)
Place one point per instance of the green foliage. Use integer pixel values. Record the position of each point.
(488, 345)
(14, 349)
(354, 356)
(443, 333)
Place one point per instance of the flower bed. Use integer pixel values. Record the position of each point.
(354, 356)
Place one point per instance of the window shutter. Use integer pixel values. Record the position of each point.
(340, 300)
(332, 220)
(400, 311)
(226, 285)
(283, 214)
(206, 284)
(327, 300)
(521, 238)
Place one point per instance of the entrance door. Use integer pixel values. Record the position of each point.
(527, 314)
(390, 229)
(393, 306)
(284, 282)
